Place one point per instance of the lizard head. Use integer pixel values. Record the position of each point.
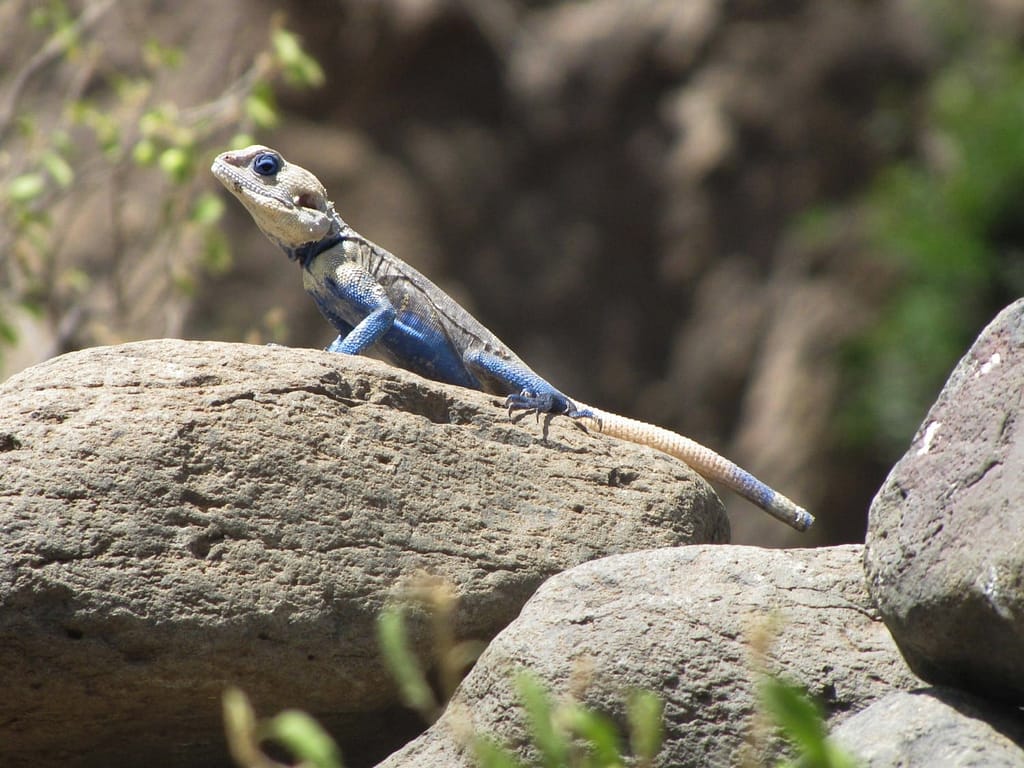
(287, 202)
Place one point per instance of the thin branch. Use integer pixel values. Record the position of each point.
(51, 50)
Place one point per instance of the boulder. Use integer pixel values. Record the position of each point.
(934, 727)
(179, 516)
(945, 540)
(692, 624)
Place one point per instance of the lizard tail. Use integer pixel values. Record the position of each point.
(702, 460)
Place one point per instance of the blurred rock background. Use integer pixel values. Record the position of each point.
(771, 226)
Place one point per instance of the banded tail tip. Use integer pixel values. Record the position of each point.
(792, 515)
(802, 519)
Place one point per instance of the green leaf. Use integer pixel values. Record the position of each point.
(799, 718)
(299, 67)
(8, 333)
(176, 162)
(25, 188)
(152, 121)
(238, 714)
(240, 727)
(108, 134)
(155, 55)
(66, 37)
(27, 125)
(286, 46)
(403, 664)
(216, 252)
(184, 283)
(36, 229)
(260, 107)
(489, 754)
(553, 746)
(39, 17)
(306, 73)
(208, 209)
(600, 733)
(144, 152)
(305, 738)
(240, 140)
(58, 169)
(132, 92)
(75, 279)
(644, 710)
(61, 141)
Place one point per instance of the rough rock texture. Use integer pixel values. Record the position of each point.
(945, 550)
(935, 727)
(681, 622)
(177, 516)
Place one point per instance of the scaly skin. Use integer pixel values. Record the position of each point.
(374, 299)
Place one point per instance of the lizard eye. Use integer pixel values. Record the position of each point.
(266, 164)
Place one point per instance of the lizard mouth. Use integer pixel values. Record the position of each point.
(310, 201)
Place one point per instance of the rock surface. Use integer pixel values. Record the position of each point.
(934, 727)
(178, 516)
(945, 550)
(681, 622)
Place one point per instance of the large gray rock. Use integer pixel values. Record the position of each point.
(945, 541)
(178, 516)
(934, 727)
(681, 622)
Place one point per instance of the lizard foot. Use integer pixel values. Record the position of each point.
(549, 403)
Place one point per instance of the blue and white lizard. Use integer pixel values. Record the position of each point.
(375, 300)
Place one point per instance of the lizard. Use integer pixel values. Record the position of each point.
(376, 301)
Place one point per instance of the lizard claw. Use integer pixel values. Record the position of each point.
(548, 402)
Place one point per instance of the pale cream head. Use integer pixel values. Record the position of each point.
(287, 202)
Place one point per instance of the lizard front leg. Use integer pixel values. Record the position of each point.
(352, 292)
(364, 335)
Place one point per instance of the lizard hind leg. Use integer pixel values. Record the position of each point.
(526, 391)
(552, 404)
(544, 402)
(549, 404)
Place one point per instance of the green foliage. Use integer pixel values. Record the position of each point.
(300, 69)
(561, 732)
(644, 712)
(296, 731)
(413, 688)
(260, 108)
(802, 724)
(490, 754)
(785, 709)
(94, 129)
(565, 734)
(450, 658)
(550, 740)
(305, 738)
(948, 221)
(25, 188)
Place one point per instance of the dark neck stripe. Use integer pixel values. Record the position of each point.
(306, 253)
